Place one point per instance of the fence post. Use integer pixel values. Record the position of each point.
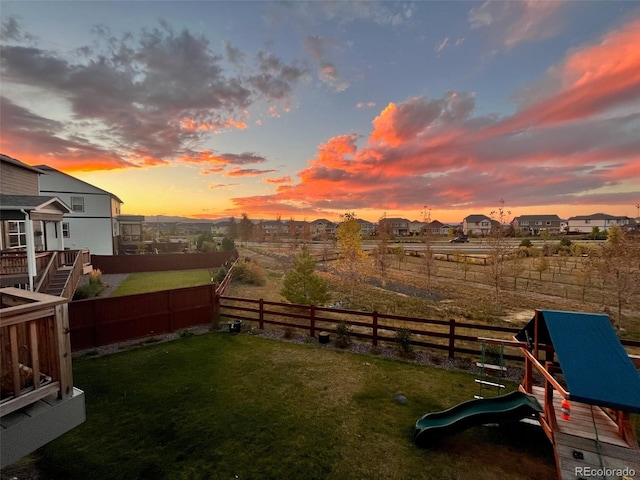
(261, 314)
(312, 321)
(215, 306)
(374, 328)
(452, 337)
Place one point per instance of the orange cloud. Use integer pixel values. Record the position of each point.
(278, 180)
(191, 125)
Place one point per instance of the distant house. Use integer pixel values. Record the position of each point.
(399, 227)
(92, 224)
(436, 228)
(536, 224)
(323, 227)
(586, 223)
(477, 224)
(366, 227)
(416, 228)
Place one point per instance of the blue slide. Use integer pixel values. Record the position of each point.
(510, 407)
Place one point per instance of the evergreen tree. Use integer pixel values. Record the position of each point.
(303, 285)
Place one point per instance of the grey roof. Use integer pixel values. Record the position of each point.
(596, 216)
(542, 218)
(29, 202)
(18, 163)
(476, 218)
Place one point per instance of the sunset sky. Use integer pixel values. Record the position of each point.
(310, 110)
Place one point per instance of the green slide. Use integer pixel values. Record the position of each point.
(510, 407)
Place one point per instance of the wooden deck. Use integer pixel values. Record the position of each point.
(590, 440)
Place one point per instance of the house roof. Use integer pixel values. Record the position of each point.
(596, 367)
(596, 216)
(18, 163)
(31, 202)
(476, 218)
(542, 218)
(47, 169)
(436, 224)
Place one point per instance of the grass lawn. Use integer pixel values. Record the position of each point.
(219, 406)
(154, 281)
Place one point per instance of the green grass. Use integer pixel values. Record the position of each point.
(219, 406)
(154, 281)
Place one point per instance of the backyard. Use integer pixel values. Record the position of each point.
(237, 406)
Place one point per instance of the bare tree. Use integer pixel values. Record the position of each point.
(381, 252)
(429, 264)
(499, 250)
(619, 268)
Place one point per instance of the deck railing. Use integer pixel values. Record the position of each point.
(34, 348)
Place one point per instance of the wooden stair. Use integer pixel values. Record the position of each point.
(59, 281)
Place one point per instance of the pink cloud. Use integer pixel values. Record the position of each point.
(580, 137)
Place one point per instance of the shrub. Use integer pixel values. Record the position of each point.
(403, 336)
(565, 242)
(249, 273)
(526, 243)
(92, 289)
(343, 335)
(95, 277)
(220, 274)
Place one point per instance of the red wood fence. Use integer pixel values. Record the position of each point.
(161, 262)
(102, 321)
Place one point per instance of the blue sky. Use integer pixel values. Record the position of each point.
(312, 109)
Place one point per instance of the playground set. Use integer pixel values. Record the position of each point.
(590, 389)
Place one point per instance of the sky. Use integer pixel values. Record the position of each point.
(310, 110)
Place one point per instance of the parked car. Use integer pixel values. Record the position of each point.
(459, 240)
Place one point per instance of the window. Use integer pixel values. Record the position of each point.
(131, 233)
(17, 234)
(524, 222)
(65, 230)
(77, 204)
(587, 221)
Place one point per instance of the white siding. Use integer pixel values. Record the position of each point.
(93, 234)
(93, 228)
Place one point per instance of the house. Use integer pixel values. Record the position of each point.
(322, 227)
(477, 224)
(536, 224)
(603, 221)
(38, 401)
(416, 228)
(366, 227)
(30, 224)
(436, 228)
(92, 224)
(398, 227)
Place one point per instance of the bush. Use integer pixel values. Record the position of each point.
(249, 273)
(526, 243)
(92, 289)
(220, 274)
(403, 336)
(343, 335)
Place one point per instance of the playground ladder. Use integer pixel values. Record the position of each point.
(485, 368)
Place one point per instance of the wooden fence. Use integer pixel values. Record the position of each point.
(157, 263)
(451, 336)
(101, 321)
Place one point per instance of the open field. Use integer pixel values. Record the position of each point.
(471, 299)
(224, 406)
